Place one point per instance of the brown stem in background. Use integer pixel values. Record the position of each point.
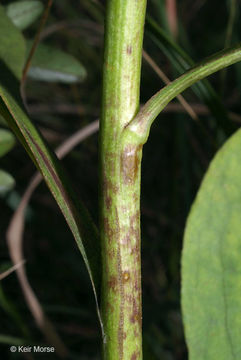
(34, 46)
(166, 80)
(171, 10)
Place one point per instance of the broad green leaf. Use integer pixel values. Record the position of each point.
(211, 261)
(7, 182)
(54, 65)
(12, 47)
(76, 215)
(24, 13)
(7, 141)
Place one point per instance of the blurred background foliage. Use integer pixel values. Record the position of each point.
(174, 161)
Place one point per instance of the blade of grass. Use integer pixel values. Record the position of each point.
(11, 340)
(230, 25)
(76, 215)
(14, 314)
(15, 240)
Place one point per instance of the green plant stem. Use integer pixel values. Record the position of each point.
(120, 182)
(140, 125)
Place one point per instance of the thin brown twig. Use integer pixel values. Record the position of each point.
(171, 10)
(11, 270)
(166, 80)
(63, 25)
(34, 46)
(199, 109)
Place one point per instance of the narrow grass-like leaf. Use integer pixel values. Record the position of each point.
(9, 307)
(12, 46)
(7, 182)
(76, 215)
(7, 141)
(12, 340)
(14, 236)
(211, 262)
(54, 65)
(24, 13)
(12, 56)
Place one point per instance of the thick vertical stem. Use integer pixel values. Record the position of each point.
(120, 182)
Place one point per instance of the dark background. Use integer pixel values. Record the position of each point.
(174, 161)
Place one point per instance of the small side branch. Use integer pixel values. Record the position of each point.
(141, 124)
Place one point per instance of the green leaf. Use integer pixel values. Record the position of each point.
(7, 141)
(12, 340)
(54, 65)
(211, 261)
(12, 57)
(24, 13)
(2, 121)
(76, 215)
(9, 307)
(12, 46)
(7, 182)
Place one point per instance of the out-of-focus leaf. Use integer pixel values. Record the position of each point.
(211, 262)
(2, 121)
(24, 13)
(9, 307)
(11, 340)
(7, 141)
(54, 65)
(7, 182)
(12, 46)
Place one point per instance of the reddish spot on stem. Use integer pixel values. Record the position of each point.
(135, 225)
(108, 202)
(136, 314)
(134, 356)
(110, 308)
(109, 230)
(112, 283)
(130, 162)
(129, 50)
